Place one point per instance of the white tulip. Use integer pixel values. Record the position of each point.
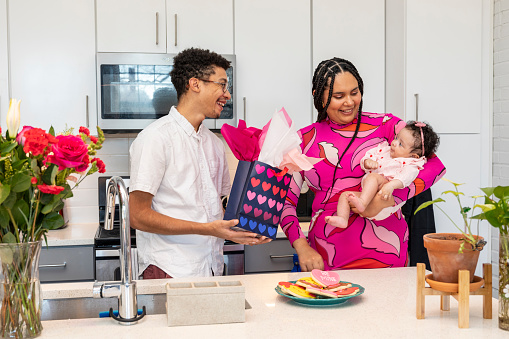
(13, 118)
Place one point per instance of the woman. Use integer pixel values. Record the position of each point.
(341, 136)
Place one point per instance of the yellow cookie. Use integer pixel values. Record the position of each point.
(307, 282)
(298, 292)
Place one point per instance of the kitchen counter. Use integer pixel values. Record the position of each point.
(385, 310)
(73, 235)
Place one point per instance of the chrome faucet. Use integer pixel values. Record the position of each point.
(125, 291)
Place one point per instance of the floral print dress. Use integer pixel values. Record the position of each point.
(364, 243)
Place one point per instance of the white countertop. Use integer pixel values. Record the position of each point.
(73, 235)
(386, 310)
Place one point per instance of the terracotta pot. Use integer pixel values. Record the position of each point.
(444, 258)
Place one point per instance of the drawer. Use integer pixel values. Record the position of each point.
(276, 256)
(66, 263)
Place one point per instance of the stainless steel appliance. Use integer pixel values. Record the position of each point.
(134, 89)
(107, 245)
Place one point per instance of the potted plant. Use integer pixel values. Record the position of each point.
(450, 252)
(37, 170)
(496, 211)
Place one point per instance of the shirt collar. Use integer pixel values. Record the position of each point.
(184, 123)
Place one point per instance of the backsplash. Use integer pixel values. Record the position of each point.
(83, 207)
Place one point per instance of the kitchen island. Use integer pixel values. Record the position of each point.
(385, 310)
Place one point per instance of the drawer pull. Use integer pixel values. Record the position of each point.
(53, 265)
(281, 256)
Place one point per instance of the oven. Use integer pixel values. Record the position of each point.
(107, 245)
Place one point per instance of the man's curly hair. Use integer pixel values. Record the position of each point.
(194, 63)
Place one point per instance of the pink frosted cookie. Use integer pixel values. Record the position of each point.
(322, 292)
(340, 286)
(346, 292)
(325, 278)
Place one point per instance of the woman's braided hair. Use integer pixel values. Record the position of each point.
(326, 70)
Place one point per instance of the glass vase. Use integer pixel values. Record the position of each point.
(20, 290)
(503, 287)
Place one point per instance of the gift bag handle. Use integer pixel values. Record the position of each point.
(280, 174)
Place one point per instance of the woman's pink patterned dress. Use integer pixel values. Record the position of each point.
(364, 243)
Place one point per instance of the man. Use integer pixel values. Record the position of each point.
(178, 175)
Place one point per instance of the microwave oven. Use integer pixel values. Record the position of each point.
(135, 89)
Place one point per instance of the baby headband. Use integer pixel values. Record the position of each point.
(421, 125)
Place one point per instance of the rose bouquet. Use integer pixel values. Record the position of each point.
(38, 170)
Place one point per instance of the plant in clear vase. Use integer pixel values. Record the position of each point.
(38, 170)
(496, 211)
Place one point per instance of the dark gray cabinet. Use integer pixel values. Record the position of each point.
(276, 256)
(66, 263)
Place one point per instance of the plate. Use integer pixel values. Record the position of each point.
(320, 301)
(453, 287)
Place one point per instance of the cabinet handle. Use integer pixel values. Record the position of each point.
(245, 107)
(157, 28)
(281, 256)
(87, 111)
(416, 95)
(175, 29)
(53, 265)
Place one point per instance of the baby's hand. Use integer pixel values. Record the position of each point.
(386, 191)
(370, 164)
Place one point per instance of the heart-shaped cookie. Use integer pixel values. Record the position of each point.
(325, 278)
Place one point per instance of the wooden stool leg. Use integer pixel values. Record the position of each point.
(463, 298)
(487, 297)
(420, 291)
(445, 302)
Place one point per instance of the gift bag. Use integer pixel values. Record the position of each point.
(257, 197)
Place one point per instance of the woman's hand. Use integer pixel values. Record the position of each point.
(309, 259)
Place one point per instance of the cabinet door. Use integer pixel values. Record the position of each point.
(273, 52)
(353, 30)
(52, 62)
(131, 26)
(276, 256)
(443, 41)
(200, 23)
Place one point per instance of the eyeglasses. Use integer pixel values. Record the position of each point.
(223, 84)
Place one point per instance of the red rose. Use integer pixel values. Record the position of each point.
(100, 165)
(33, 180)
(70, 152)
(85, 131)
(50, 189)
(93, 139)
(36, 141)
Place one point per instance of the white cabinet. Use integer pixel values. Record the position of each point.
(159, 26)
(443, 63)
(276, 256)
(131, 26)
(200, 23)
(52, 62)
(353, 30)
(273, 52)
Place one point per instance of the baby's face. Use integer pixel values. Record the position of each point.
(402, 145)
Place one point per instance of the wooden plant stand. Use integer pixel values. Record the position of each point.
(462, 295)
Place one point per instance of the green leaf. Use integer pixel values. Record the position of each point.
(5, 190)
(9, 238)
(21, 182)
(48, 176)
(453, 192)
(488, 191)
(501, 192)
(20, 212)
(10, 200)
(51, 131)
(7, 147)
(4, 218)
(52, 221)
(485, 207)
(35, 167)
(55, 205)
(427, 203)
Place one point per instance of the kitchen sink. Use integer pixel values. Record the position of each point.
(78, 308)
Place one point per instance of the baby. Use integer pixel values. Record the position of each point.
(388, 168)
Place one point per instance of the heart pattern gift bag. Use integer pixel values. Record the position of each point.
(257, 197)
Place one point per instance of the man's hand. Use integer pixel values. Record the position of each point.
(370, 164)
(309, 259)
(222, 229)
